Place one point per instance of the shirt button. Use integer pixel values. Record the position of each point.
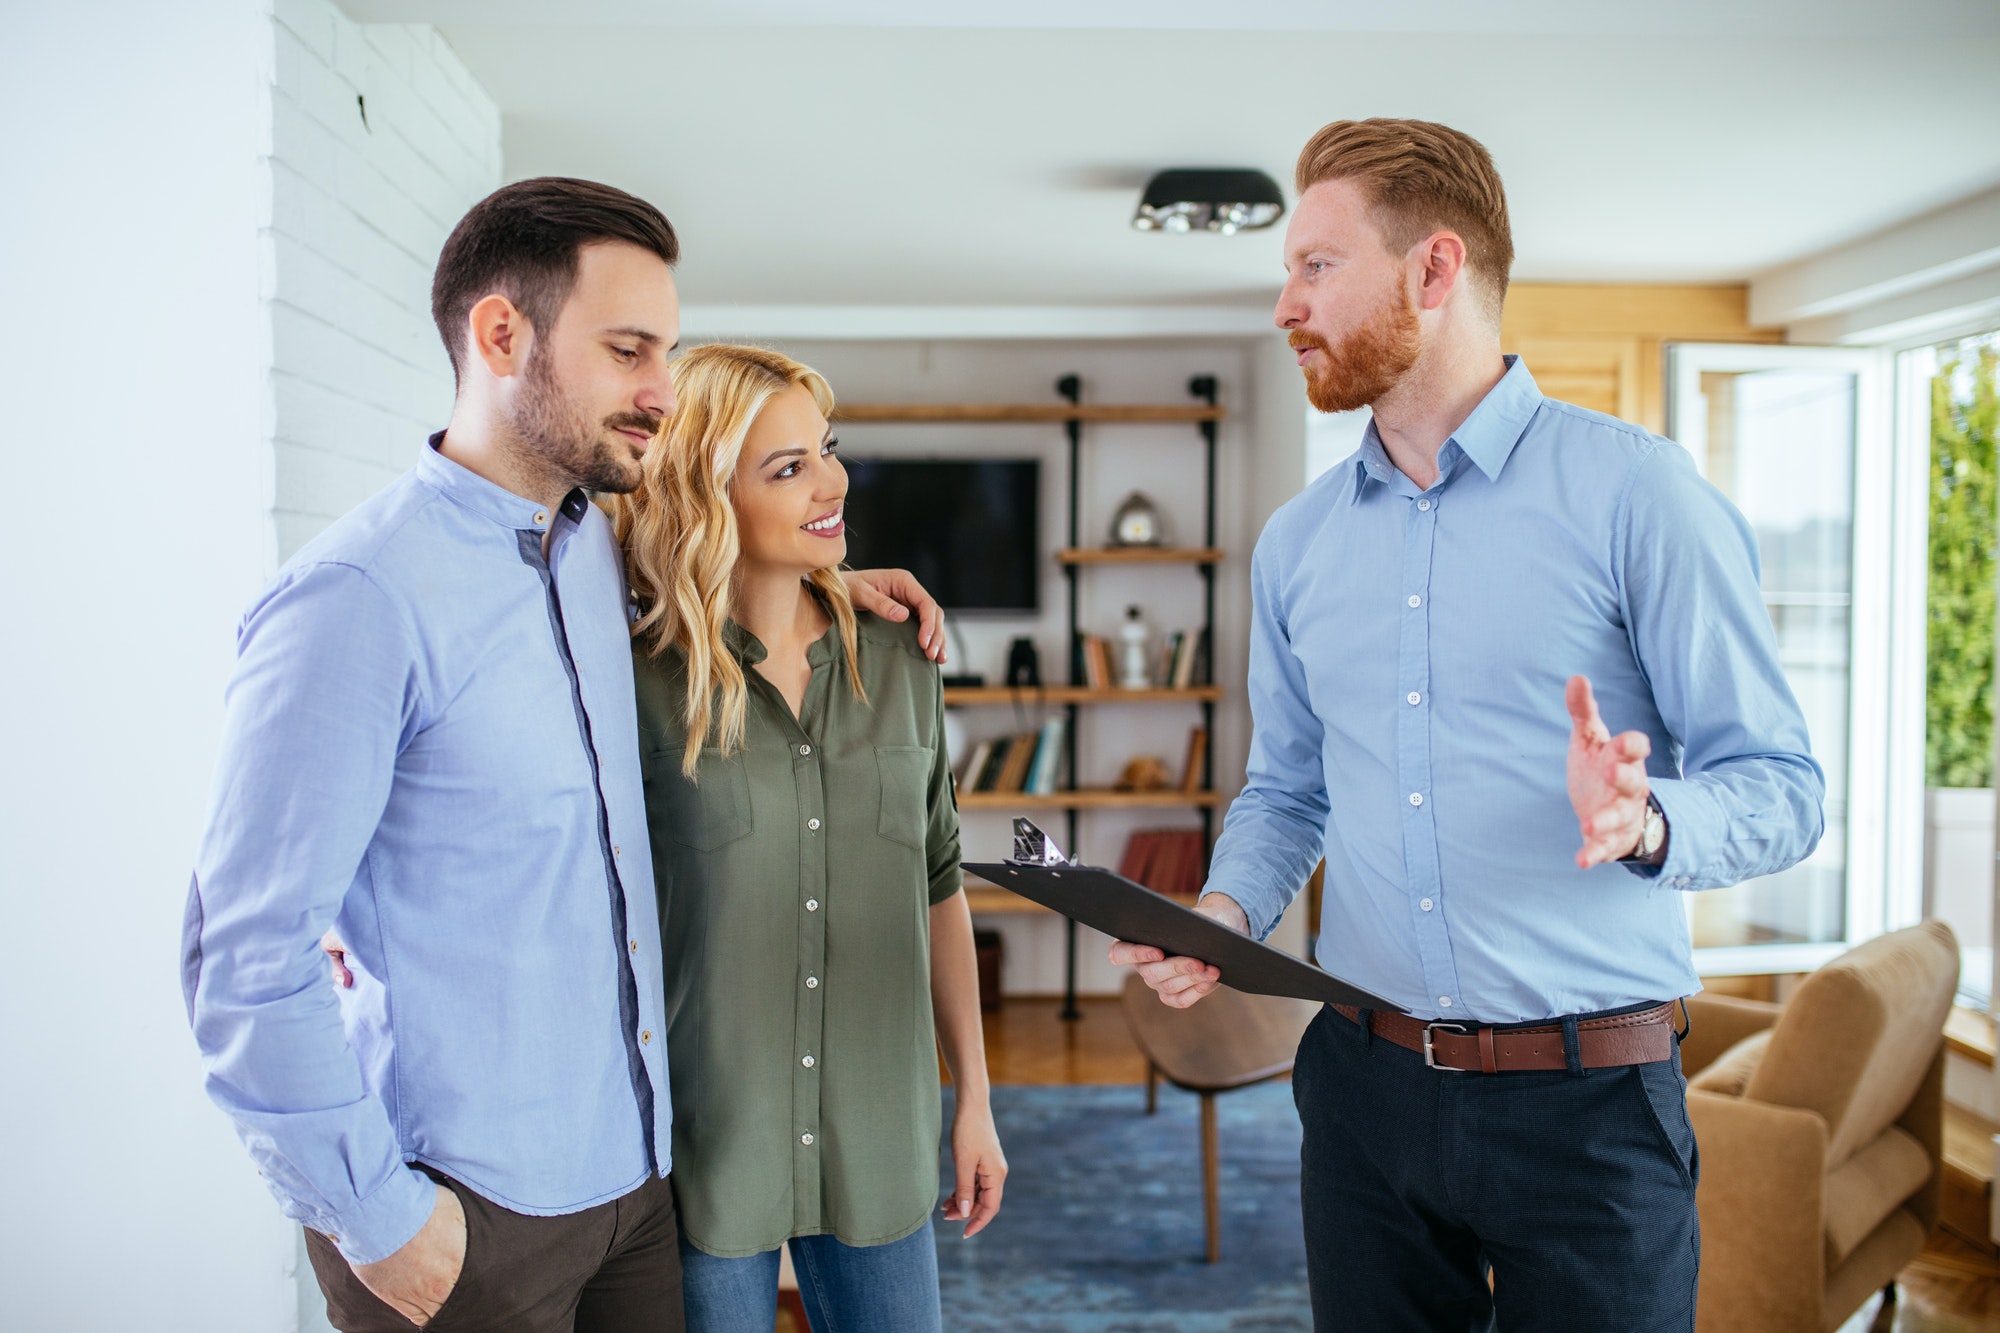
(1423, 504)
(1416, 600)
(1414, 697)
(1416, 798)
(541, 517)
(813, 824)
(1426, 904)
(806, 1139)
(805, 749)
(617, 850)
(1444, 1001)
(812, 983)
(635, 946)
(646, 1037)
(812, 904)
(807, 1062)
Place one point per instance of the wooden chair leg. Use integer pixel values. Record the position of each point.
(1152, 1087)
(1211, 1184)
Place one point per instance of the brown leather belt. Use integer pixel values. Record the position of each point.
(1638, 1038)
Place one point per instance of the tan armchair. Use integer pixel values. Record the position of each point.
(1820, 1125)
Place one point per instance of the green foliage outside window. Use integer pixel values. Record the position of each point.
(1965, 421)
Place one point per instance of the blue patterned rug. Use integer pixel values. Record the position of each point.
(1101, 1229)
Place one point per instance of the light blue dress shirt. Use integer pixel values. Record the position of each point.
(431, 745)
(1408, 654)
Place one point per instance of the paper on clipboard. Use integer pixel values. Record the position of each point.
(1127, 911)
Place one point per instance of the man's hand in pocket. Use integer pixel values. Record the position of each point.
(416, 1280)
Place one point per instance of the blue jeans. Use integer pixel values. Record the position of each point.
(889, 1288)
(1575, 1191)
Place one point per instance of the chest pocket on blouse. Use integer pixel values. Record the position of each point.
(906, 780)
(712, 812)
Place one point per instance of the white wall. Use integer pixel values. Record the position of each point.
(1259, 462)
(360, 208)
(132, 352)
(217, 287)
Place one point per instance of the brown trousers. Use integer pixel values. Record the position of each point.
(614, 1268)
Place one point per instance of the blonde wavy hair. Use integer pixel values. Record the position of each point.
(681, 543)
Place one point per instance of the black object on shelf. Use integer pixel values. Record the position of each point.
(970, 681)
(1023, 666)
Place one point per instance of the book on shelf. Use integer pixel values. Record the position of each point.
(989, 772)
(1047, 763)
(1020, 754)
(1197, 755)
(1096, 662)
(1167, 861)
(975, 764)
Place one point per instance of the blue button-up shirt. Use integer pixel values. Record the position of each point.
(431, 746)
(1408, 654)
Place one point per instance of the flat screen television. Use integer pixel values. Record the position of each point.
(968, 529)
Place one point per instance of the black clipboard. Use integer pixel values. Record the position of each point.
(1128, 911)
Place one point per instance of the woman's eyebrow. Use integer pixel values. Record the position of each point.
(776, 454)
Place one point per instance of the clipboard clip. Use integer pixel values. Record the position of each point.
(1032, 847)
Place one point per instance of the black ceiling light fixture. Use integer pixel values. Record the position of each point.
(1219, 199)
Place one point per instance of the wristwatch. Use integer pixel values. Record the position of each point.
(1652, 837)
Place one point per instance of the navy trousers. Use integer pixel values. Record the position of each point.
(1575, 1191)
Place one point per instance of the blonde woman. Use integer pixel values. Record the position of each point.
(818, 948)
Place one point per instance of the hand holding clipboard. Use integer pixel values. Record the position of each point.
(1137, 916)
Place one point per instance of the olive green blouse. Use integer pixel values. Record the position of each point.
(795, 879)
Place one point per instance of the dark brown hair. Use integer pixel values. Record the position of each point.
(1420, 177)
(522, 240)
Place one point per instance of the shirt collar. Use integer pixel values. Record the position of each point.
(748, 649)
(1487, 436)
(483, 497)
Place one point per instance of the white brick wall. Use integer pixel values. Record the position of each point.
(358, 211)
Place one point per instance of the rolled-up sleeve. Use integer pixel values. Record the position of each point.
(942, 850)
(1748, 799)
(1276, 828)
(324, 694)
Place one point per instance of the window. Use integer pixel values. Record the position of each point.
(1797, 438)
(1960, 383)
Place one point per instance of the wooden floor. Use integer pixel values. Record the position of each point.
(1953, 1287)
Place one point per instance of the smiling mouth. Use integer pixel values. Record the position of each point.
(829, 526)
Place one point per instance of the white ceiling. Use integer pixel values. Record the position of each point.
(898, 155)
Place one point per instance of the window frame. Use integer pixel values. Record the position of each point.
(1888, 566)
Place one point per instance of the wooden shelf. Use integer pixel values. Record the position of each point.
(994, 900)
(1075, 694)
(1139, 555)
(1095, 798)
(1003, 412)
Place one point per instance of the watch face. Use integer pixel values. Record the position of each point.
(1135, 528)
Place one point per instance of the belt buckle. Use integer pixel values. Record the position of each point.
(1430, 1058)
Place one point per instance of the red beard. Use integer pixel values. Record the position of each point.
(1366, 364)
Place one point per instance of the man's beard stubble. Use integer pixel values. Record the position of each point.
(1367, 363)
(563, 439)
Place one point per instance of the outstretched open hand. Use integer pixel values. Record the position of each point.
(1607, 780)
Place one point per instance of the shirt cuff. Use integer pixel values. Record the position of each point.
(1263, 910)
(376, 1227)
(1688, 811)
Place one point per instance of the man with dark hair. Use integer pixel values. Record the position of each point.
(431, 749)
(1433, 623)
